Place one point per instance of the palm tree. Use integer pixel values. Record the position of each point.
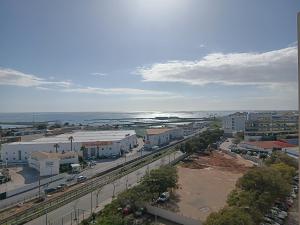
(71, 139)
(56, 146)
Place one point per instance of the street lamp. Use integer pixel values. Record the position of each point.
(113, 195)
(97, 197)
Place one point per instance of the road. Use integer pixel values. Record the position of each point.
(65, 215)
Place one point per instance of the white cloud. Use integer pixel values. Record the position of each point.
(267, 69)
(117, 91)
(17, 78)
(99, 74)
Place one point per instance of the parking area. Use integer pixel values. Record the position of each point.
(20, 176)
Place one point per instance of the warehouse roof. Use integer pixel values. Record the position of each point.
(270, 144)
(83, 136)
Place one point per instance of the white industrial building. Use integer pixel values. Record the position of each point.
(234, 123)
(162, 136)
(89, 143)
(48, 163)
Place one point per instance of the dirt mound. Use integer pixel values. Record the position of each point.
(216, 159)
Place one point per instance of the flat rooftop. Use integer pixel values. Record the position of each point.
(156, 131)
(270, 144)
(83, 136)
(48, 155)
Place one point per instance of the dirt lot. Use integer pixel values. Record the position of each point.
(205, 182)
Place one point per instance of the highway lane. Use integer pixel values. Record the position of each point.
(65, 215)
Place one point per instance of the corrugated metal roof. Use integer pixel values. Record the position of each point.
(83, 136)
(270, 144)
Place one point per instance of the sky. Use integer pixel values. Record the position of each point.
(148, 55)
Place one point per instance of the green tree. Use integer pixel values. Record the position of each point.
(230, 216)
(286, 171)
(71, 139)
(280, 157)
(160, 180)
(264, 180)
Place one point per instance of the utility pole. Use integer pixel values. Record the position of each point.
(46, 217)
(39, 185)
(91, 203)
(97, 197)
(113, 183)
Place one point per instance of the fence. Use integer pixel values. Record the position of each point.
(171, 216)
(27, 192)
(34, 185)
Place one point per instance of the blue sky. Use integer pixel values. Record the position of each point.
(147, 55)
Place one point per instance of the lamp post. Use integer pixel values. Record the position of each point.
(114, 185)
(97, 196)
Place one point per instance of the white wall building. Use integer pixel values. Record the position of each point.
(96, 143)
(234, 123)
(162, 136)
(48, 163)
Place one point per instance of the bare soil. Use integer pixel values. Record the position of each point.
(204, 183)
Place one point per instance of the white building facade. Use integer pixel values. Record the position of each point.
(94, 143)
(234, 123)
(48, 163)
(162, 136)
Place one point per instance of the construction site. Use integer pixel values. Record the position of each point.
(204, 182)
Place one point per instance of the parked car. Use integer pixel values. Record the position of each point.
(49, 190)
(280, 211)
(61, 187)
(270, 221)
(163, 197)
(81, 178)
(70, 178)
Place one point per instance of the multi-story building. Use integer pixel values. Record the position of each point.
(161, 136)
(270, 125)
(234, 123)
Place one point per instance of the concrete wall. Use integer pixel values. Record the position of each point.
(46, 167)
(171, 216)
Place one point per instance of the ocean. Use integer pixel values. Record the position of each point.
(100, 117)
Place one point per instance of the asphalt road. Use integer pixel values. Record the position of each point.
(65, 215)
